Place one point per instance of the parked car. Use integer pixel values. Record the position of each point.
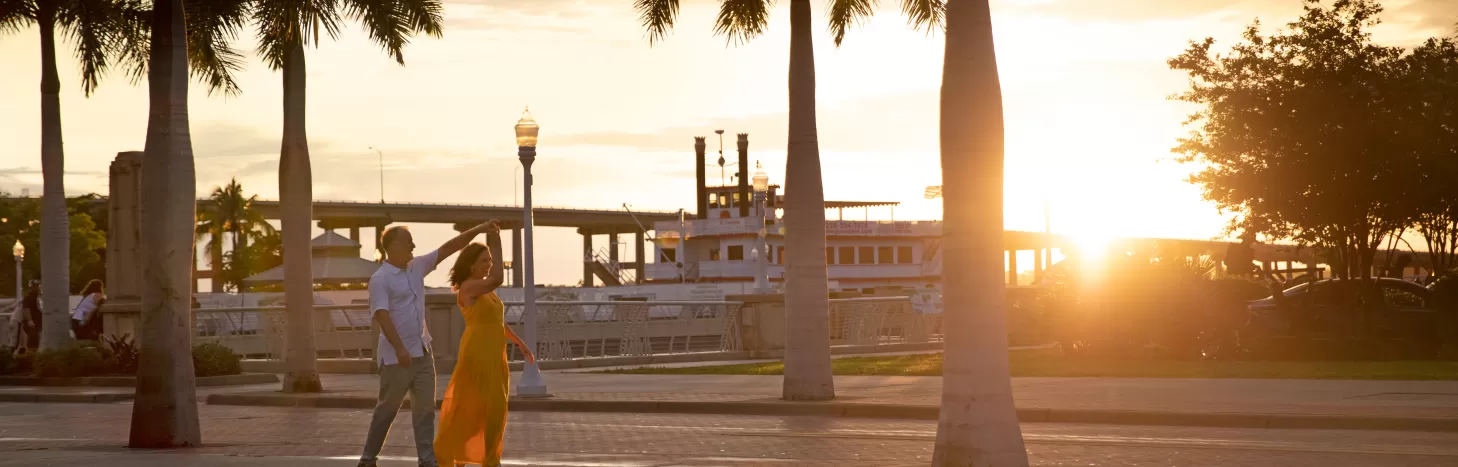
(1394, 308)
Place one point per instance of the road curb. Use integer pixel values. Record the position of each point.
(102, 398)
(894, 411)
(131, 381)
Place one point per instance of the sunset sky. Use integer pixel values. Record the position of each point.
(1084, 81)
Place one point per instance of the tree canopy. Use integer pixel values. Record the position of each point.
(1318, 134)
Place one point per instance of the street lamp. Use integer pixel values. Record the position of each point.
(530, 384)
(507, 266)
(761, 188)
(19, 252)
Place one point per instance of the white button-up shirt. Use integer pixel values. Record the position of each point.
(402, 293)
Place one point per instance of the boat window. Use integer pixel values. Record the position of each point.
(903, 255)
(868, 255)
(830, 255)
(847, 255)
(670, 255)
(885, 255)
(780, 255)
(713, 254)
(736, 253)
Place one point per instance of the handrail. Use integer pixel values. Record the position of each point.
(280, 308)
(620, 302)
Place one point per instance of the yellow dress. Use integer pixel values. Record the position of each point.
(473, 413)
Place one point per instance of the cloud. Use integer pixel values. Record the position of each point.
(1139, 10)
(883, 122)
(1440, 15)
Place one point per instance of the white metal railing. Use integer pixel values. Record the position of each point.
(566, 329)
(258, 332)
(880, 320)
(578, 329)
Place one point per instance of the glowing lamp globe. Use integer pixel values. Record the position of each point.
(760, 180)
(526, 130)
(18, 250)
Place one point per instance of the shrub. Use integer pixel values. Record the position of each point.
(9, 364)
(122, 354)
(213, 359)
(71, 361)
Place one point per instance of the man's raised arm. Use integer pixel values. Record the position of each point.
(453, 245)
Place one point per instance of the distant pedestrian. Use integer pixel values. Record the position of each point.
(85, 320)
(30, 317)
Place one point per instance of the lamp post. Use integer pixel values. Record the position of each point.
(530, 384)
(19, 252)
(507, 266)
(761, 187)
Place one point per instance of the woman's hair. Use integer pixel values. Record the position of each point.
(93, 287)
(462, 269)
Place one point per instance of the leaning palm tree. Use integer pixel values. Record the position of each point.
(979, 425)
(164, 413)
(807, 352)
(94, 26)
(284, 28)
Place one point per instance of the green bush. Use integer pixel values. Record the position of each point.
(72, 361)
(212, 359)
(9, 364)
(121, 354)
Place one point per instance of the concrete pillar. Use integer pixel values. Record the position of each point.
(354, 233)
(613, 246)
(123, 237)
(1038, 266)
(1012, 267)
(516, 258)
(639, 257)
(701, 192)
(586, 258)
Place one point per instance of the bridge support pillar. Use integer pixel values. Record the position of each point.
(586, 258)
(1038, 266)
(613, 246)
(638, 256)
(516, 258)
(1012, 268)
(354, 234)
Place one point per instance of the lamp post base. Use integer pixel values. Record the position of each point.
(530, 385)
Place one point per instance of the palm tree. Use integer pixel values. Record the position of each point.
(94, 26)
(230, 213)
(807, 354)
(284, 28)
(979, 425)
(103, 31)
(166, 42)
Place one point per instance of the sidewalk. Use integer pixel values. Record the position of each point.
(1402, 405)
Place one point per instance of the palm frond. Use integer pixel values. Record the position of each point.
(424, 16)
(846, 13)
(928, 14)
(742, 20)
(385, 22)
(657, 17)
(211, 27)
(15, 15)
(281, 23)
(89, 24)
(133, 37)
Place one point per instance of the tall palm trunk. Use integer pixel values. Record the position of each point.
(55, 226)
(979, 426)
(807, 301)
(165, 411)
(296, 191)
(215, 257)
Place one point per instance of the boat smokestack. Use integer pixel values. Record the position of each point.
(702, 188)
(743, 201)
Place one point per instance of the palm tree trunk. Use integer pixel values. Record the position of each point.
(215, 258)
(165, 411)
(807, 301)
(296, 199)
(55, 226)
(979, 426)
